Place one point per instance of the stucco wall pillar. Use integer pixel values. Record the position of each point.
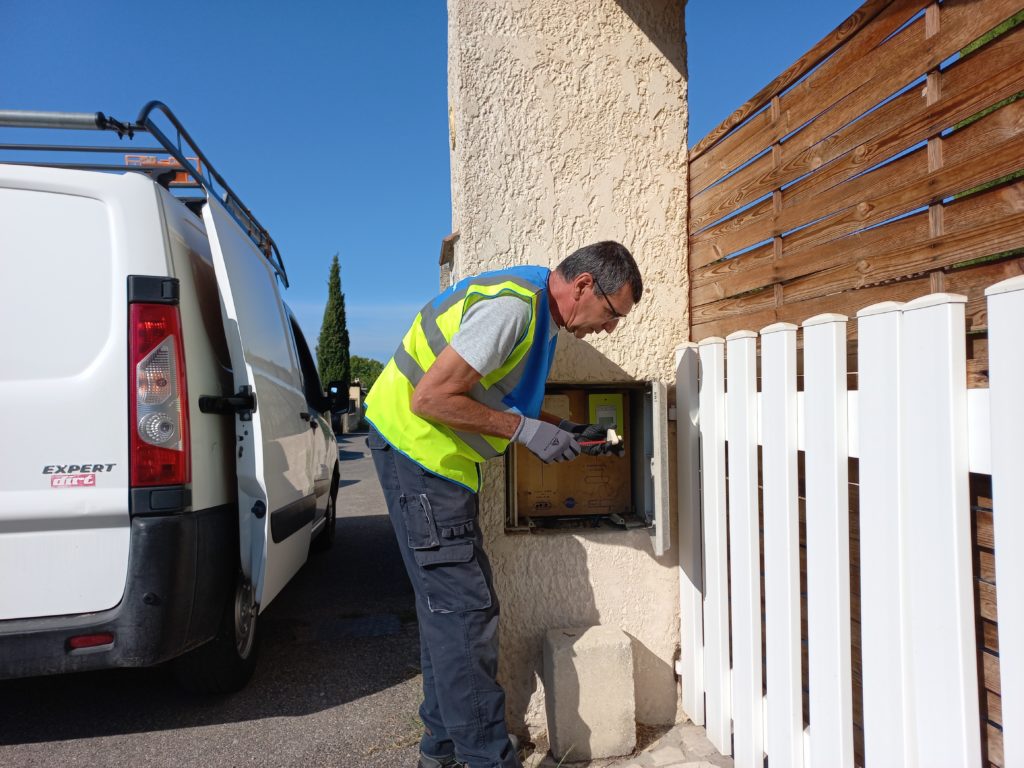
(568, 125)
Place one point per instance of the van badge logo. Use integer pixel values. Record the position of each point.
(75, 475)
(73, 481)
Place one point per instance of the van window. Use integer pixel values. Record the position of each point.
(310, 378)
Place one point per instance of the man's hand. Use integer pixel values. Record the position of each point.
(546, 441)
(596, 435)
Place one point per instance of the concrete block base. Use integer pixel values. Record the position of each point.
(588, 692)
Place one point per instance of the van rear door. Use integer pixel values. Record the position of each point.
(276, 500)
(68, 240)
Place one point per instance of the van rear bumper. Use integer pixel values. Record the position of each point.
(181, 572)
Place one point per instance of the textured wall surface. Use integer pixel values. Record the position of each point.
(568, 125)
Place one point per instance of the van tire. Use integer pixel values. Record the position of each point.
(227, 662)
(325, 539)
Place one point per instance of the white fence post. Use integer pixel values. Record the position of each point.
(882, 605)
(718, 689)
(691, 581)
(1006, 383)
(940, 599)
(744, 550)
(784, 727)
(828, 542)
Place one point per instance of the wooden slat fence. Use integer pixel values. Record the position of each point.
(866, 167)
(851, 551)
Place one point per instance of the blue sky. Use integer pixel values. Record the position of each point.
(329, 119)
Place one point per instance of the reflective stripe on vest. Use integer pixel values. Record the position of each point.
(444, 451)
(412, 371)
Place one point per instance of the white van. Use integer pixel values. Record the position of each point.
(166, 452)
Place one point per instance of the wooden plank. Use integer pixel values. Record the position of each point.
(985, 150)
(730, 314)
(721, 279)
(987, 567)
(883, 618)
(744, 550)
(753, 181)
(990, 636)
(881, 69)
(828, 538)
(953, 248)
(962, 97)
(734, 149)
(750, 305)
(991, 131)
(992, 707)
(758, 268)
(978, 80)
(784, 733)
(1006, 365)
(990, 673)
(968, 86)
(940, 607)
(718, 687)
(984, 536)
(856, 208)
(730, 236)
(996, 739)
(691, 565)
(877, 23)
(985, 594)
(973, 281)
(862, 249)
(747, 312)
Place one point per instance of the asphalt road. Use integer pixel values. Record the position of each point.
(338, 682)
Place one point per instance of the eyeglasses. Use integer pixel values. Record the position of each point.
(616, 315)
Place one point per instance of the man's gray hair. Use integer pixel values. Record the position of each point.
(610, 264)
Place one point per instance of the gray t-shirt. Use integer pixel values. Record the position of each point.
(490, 331)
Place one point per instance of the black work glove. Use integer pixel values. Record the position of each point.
(591, 433)
(546, 441)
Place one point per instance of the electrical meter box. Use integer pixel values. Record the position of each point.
(598, 492)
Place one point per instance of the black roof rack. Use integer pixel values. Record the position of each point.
(205, 176)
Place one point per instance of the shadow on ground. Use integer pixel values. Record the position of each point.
(343, 629)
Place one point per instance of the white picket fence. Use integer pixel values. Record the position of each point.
(917, 432)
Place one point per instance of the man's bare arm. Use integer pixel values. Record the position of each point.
(441, 396)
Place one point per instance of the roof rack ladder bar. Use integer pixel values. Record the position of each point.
(84, 121)
(144, 122)
(80, 121)
(72, 148)
(97, 121)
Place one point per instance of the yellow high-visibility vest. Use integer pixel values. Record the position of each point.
(517, 386)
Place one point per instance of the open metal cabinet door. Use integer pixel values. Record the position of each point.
(656, 478)
(276, 501)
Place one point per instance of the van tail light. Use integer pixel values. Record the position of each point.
(160, 450)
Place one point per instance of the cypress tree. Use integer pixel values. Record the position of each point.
(332, 353)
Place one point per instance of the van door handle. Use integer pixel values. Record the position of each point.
(242, 403)
(307, 417)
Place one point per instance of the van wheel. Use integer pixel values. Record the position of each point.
(325, 539)
(226, 663)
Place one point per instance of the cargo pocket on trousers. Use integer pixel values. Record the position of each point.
(420, 529)
(453, 579)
